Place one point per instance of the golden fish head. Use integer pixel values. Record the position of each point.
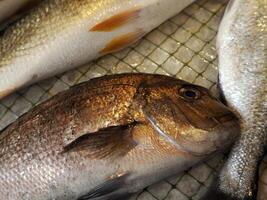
(189, 117)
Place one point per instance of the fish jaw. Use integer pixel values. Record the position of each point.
(181, 119)
(242, 44)
(220, 138)
(71, 41)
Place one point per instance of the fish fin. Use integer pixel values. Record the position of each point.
(109, 190)
(109, 142)
(117, 21)
(122, 41)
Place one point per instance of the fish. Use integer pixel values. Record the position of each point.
(59, 35)
(110, 137)
(10, 10)
(242, 49)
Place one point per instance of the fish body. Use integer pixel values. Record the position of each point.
(111, 137)
(242, 46)
(59, 35)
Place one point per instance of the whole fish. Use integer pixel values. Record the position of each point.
(110, 137)
(242, 45)
(59, 35)
(9, 8)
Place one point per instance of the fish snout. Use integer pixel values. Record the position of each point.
(203, 142)
(227, 130)
(228, 116)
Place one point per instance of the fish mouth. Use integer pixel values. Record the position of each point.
(229, 116)
(218, 137)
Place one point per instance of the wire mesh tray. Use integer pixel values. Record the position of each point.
(182, 47)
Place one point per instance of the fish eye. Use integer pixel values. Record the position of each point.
(189, 93)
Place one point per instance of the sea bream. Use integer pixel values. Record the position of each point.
(110, 137)
(59, 35)
(242, 46)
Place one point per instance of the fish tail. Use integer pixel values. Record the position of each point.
(238, 176)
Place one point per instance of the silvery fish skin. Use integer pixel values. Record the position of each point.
(242, 46)
(110, 137)
(59, 35)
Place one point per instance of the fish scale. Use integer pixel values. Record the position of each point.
(242, 42)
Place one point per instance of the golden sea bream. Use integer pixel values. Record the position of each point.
(110, 137)
(59, 35)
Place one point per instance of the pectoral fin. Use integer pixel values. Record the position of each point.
(106, 143)
(110, 190)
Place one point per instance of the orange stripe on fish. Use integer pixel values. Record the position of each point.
(122, 41)
(117, 21)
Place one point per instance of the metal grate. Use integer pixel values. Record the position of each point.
(183, 47)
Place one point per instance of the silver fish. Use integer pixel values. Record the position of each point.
(111, 137)
(59, 35)
(242, 46)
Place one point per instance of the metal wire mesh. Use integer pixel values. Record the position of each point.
(183, 47)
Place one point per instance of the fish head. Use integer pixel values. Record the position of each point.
(189, 117)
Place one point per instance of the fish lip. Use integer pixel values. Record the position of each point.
(229, 116)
